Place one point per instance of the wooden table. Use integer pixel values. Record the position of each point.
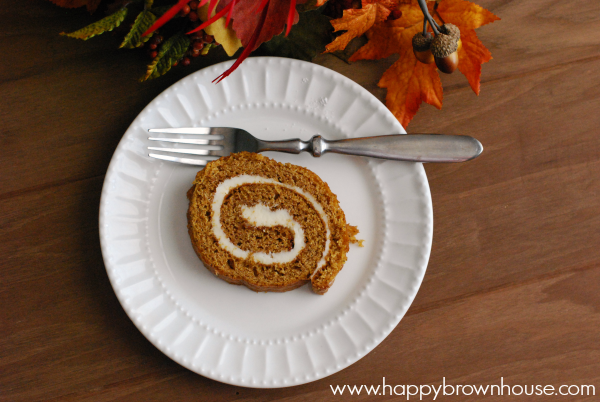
(512, 285)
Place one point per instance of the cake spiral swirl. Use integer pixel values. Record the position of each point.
(267, 225)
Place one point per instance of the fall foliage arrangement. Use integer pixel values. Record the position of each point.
(428, 36)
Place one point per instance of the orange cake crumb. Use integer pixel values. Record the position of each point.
(267, 225)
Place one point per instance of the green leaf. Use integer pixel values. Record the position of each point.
(306, 40)
(134, 38)
(104, 25)
(172, 50)
(206, 48)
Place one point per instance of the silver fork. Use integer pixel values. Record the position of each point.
(222, 141)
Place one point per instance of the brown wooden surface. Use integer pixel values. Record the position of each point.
(512, 285)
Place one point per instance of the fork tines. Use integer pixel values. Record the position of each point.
(186, 161)
(184, 130)
(207, 145)
(202, 141)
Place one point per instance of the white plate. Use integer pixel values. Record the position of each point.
(229, 333)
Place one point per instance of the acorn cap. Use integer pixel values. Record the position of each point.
(451, 30)
(443, 45)
(421, 42)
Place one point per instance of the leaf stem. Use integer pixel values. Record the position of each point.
(435, 12)
(249, 47)
(290, 18)
(423, 6)
(212, 19)
(166, 16)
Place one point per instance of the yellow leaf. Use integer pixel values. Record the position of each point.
(224, 35)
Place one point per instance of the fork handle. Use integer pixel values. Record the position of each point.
(412, 148)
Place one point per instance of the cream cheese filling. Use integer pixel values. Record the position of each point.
(261, 215)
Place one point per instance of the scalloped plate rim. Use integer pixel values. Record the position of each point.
(425, 198)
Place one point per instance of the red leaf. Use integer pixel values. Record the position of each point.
(290, 19)
(166, 16)
(246, 19)
(212, 19)
(247, 50)
(230, 13)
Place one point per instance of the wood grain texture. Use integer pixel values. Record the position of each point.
(511, 287)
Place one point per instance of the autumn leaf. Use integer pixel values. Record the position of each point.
(253, 21)
(246, 19)
(471, 56)
(306, 40)
(408, 85)
(465, 14)
(256, 22)
(134, 38)
(104, 25)
(171, 51)
(409, 82)
(223, 34)
(467, 17)
(358, 21)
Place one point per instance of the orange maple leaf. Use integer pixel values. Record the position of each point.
(409, 82)
(467, 17)
(358, 21)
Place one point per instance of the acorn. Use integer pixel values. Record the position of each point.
(452, 30)
(444, 48)
(421, 47)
